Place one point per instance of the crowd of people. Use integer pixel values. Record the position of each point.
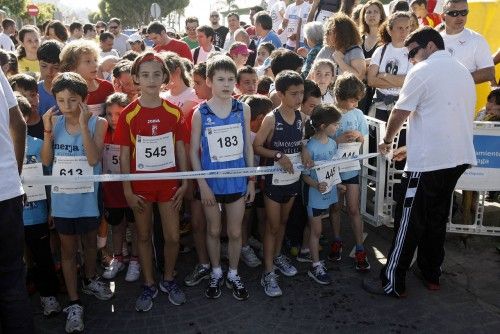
(292, 86)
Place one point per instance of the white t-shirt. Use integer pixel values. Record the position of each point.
(187, 95)
(304, 13)
(121, 44)
(441, 95)
(275, 12)
(112, 52)
(202, 55)
(6, 43)
(10, 186)
(469, 48)
(395, 61)
(293, 14)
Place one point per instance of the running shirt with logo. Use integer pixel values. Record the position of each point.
(112, 192)
(68, 145)
(319, 152)
(469, 48)
(326, 8)
(223, 135)
(293, 14)
(97, 98)
(395, 61)
(287, 139)
(138, 121)
(35, 212)
(355, 120)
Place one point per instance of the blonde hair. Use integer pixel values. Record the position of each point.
(72, 52)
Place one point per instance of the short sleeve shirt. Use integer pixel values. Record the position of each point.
(176, 46)
(469, 48)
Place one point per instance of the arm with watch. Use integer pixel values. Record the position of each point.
(394, 124)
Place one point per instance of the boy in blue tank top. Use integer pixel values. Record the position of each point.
(73, 144)
(279, 141)
(35, 217)
(220, 138)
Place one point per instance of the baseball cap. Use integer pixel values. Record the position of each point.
(134, 38)
(239, 49)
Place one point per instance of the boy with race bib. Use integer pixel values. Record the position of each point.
(220, 139)
(72, 145)
(279, 141)
(150, 134)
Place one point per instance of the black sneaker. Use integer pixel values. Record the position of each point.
(235, 284)
(214, 285)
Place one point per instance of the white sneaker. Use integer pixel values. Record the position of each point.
(133, 271)
(74, 318)
(254, 243)
(50, 305)
(98, 289)
(248, 256)
(115, 266)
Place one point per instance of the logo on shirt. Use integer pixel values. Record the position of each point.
(461, 42)
(299, 124)
(154, 130)
(392, 66)
(153, 121)
(279, 126)
(451, 51)
(209, 122)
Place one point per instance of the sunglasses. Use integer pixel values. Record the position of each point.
(456, 13)
(113, 27)
(214, 16)
(413, 52)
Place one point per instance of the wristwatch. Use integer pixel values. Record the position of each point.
(278, 155)
(387, 142)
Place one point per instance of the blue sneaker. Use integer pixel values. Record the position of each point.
(145, 301)
(282, 263)
(175, 295)
(319, 274)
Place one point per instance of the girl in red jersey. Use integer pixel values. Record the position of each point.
(150, 133)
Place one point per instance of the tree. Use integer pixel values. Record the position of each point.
(15, 7)
(134, 12)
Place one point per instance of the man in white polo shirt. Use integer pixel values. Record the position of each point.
(437, 98)
(465, 45)
(15, 308)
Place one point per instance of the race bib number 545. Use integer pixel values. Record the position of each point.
(154, 153)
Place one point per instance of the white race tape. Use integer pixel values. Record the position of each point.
(219, 173)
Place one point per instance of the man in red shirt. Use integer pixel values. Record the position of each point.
(158, 34)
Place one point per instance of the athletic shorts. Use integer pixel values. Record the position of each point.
(222, 198)
(75, 226)
(114, 216)
(278, 196)
(312, 212)
(155, 191)
(259, 200)
(352, 180)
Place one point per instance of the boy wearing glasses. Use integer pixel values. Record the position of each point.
(190, 38)
(465, 45)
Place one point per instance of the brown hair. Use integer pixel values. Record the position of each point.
(365, 29)
(384, 28)
(72, 52)
(145, 57)
(346, 31)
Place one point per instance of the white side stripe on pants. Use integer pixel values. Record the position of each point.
(401, 235)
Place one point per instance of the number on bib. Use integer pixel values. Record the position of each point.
(72, 166)
(225, 142)
(154, 153)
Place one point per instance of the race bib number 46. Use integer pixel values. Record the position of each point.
(72, 166)
(111, 159)
(154, 153)
(225, 142)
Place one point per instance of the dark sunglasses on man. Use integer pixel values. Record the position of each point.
(456, 13)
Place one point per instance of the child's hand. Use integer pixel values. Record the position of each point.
(306, 158)
(50, 222)
(286, 164)
(322, 187)
(207, 196)
(85, 115)
(349, 136)
(179, 196)
(341, 188)
(250, 195)
(47, 119)
(135, 202)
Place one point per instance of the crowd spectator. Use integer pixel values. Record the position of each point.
(192, 24)
(9, 28)
(220, 30)
(120, 43)
(163, 42)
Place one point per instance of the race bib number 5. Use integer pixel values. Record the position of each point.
(154, 153)
(225, 142)
(111, 159)
(72, 166)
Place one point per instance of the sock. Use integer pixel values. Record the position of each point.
(247, 247)
(315, 264)
(360, 248)
(232, 273)
(217, 271)
(134, 258)
(205, 265)
(119, 257)
(101, 242)
(304, 250)
(337, 239)
(75, 302)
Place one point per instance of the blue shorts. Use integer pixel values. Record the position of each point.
(74, 226)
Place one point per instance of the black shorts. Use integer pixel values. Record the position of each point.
(74, 226)
(222, 199)
(259, 200)
(279, 197)
(352, 180)
(114, 216)
(312, 212)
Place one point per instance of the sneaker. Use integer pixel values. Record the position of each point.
(335, 251)
(115, 266)
(74, 318)
(183, 249)
(175, 295)
(98, 289)
(50, 305)
(104, 257)
(224, 254)
(214, 285)
(270, 283)
(282, 263)
(361, 261)
(248, 256)
(304, 257)
(254, 243)
(133, 271)
(319, 274)
(235, 284)
(145, 301)
(197, 275)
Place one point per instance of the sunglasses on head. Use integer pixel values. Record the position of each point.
(456, 13)
(413, 52)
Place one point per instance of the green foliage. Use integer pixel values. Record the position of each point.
(46, 13)
(134, 12)
(15, 7)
